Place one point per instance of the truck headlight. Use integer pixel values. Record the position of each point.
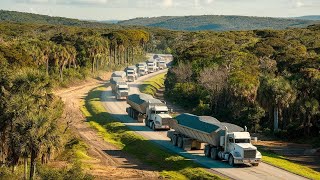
(258, 155)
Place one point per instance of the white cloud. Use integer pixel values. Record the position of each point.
(299, 3)
(167, 3)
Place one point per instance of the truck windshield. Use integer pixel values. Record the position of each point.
(162, 112)
(130, 72)
(123, 89)
(242, 141)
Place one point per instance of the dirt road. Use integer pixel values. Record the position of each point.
(109, 162)
(118, 110)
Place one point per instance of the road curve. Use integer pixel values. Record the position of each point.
(244, 172)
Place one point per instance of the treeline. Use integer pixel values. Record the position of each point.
(36, 58)
(264, 79)
(218, 22)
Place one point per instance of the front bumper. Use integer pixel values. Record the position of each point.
(243, 161)
(162, 127)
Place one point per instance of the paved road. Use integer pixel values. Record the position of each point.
(244, 172)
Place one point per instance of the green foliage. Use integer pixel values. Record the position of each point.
(153, 84)
(244, 77)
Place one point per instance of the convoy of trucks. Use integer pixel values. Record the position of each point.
(223, 141)
(219, 140)
(151, 111)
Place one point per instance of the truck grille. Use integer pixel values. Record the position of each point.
(249, 153)
(123, 94)
(165, 121)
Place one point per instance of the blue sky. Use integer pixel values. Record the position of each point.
(126, 9)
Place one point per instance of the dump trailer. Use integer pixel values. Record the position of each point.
(131, 73)
(152, 65)
(153, 112)
(142, 68)
(223, 141)
(119, 87)
(120, 74)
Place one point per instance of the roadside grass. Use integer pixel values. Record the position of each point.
(153, 84)
(170, 165)
(282, 162)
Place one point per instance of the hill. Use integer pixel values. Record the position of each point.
(219, 23)
(22, 17)
(312, 17)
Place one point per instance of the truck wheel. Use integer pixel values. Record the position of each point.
(174, 140)
(207, 151)
(214, 153)
(255, 164)
(180, 142)
(231, 160)
(146, 121)
(153, 126)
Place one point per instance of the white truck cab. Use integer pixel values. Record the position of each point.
(238, 149)
(131, 73)
(122, 90)
(142, 69)
(152, 66)
(158, 117)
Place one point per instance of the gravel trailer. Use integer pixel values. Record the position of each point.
(223, 140)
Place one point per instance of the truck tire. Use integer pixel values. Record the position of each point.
(214, 153)
(180, 142)
(207, 151)
(146, 121)
(174, 140)
(255, 164)
(231, 160)
(153, 126)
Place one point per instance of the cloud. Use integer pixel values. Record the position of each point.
(167, 3)
(299, 3)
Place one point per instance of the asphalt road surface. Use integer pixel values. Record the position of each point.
(243, 172)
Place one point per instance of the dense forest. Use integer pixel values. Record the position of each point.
(36, 58)
(268, 80)
(218, 23)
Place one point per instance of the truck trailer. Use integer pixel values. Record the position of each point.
(223, 141)
(151, 111)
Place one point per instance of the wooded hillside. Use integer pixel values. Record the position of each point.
(218, 23)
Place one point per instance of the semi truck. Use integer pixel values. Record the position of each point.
(152, 65)
(119, 87)
(153, 112)
(221, 140)
(131, 73)
(161, 63)
(120, 74)
(142, 68)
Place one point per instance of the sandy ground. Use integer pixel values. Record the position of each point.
(108, 162)
(244, 172)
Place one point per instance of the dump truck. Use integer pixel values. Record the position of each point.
(120, 74)
(221, 140)
(119, 87)
(153, 112)
(131, 73)
(152, 65)
(142, 68)
(161, 63)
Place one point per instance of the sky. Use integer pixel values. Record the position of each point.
(127, 9)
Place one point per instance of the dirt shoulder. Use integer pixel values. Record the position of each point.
(108, 161)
